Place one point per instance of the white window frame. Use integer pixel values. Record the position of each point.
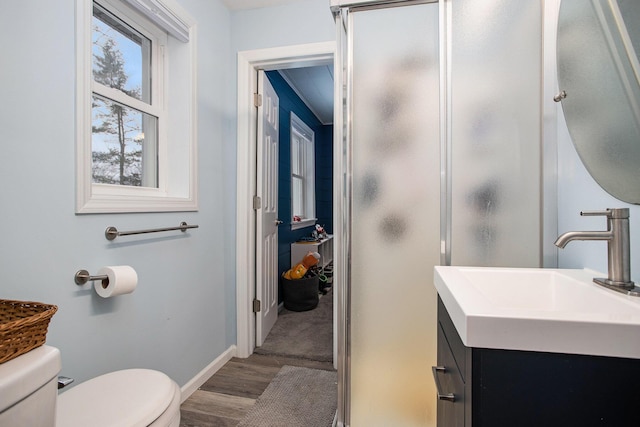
(177, 166)
(299, 129)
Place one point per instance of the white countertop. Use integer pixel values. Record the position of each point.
(548, 310)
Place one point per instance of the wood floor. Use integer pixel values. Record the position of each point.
(227, 396)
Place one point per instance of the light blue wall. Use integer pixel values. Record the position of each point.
(577, 191)
(300, 22)
(182, 315)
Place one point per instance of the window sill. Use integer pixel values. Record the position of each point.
(303, 224)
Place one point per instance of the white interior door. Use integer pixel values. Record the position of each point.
(266, 218)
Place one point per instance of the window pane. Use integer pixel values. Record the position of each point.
(295, 155)
(296, 197)
(121, 56)
(302, 170)
(124, 145)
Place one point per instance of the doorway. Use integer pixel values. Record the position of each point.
(249, 62)
(294, 181)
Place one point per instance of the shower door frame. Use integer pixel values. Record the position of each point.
(549, 113)
(343, 144)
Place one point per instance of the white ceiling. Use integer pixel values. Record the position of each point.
(254, 4)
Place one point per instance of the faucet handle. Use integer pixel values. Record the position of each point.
(610, 213)
(596, 213)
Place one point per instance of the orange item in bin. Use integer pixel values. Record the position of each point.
(299, 270)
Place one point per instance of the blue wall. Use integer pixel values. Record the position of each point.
(290, 102)
(182, 314)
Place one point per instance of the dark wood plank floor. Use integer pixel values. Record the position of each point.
(229, 394)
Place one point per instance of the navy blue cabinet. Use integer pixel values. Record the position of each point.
(495, 388)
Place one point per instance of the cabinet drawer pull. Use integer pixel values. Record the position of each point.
(441, 396)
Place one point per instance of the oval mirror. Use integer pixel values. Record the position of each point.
(599, 71)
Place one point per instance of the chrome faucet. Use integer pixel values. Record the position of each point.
(617, 237)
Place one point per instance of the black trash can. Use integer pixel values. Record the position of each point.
(300, 294)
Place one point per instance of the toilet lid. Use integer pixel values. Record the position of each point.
(132, 397)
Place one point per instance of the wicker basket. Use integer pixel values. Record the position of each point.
(23, 326)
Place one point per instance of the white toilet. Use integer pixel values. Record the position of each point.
(128, 398)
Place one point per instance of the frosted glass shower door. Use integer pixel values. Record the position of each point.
(495, 113)
(395, 214)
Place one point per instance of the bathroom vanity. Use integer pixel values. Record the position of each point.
(508, 372)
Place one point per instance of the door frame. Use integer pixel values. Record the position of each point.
(249, 62)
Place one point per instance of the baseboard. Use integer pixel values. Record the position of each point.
(189, 388)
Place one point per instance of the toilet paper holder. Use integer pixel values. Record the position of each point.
(82, 276)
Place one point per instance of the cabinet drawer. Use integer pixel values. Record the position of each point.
(449, 381)
(453, 340)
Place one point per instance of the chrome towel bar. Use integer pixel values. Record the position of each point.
(111, 232)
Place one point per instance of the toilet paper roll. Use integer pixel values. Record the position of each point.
(122, 279)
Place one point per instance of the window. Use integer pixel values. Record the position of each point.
(125, 112)
(303, 194)
(135, 143)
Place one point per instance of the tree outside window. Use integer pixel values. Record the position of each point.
(121, 60)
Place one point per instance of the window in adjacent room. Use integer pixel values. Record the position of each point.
(303, 197)
(136, 138)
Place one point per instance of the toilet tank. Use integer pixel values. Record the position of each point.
(29, 388)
